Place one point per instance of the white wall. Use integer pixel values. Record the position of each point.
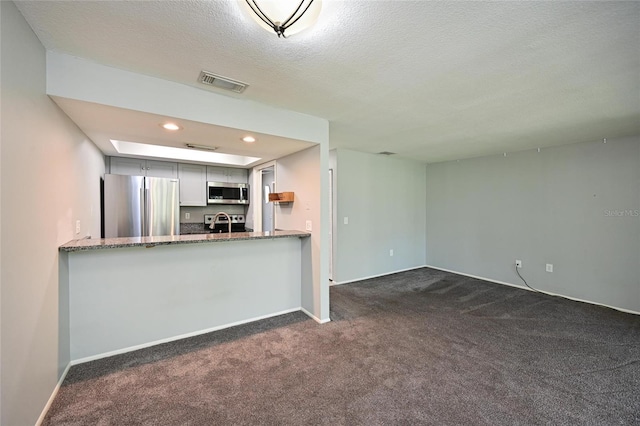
(49, 179)
(77, 78)
(306, 174)
(557, 206)
(384, 200)
(170, 291)
(0, 226)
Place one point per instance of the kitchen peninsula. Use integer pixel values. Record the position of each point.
(121, 294)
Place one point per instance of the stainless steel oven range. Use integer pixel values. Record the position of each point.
(222, 223)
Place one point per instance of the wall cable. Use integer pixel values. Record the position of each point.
(525, 283)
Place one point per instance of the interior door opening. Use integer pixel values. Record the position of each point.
(267, 176)
(331, 222)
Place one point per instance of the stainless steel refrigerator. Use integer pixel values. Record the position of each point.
(138, 206)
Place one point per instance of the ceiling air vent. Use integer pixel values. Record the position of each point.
(202, 147)
(386, 153)
(221, 82)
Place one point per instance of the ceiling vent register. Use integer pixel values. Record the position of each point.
(221, 82)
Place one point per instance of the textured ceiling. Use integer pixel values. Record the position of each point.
(431, 81)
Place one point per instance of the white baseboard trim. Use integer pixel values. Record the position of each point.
(315, 318)
(629, 311)
(45, 410)
(377, 276)
(178, 337)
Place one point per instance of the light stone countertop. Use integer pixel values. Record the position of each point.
(111, 243)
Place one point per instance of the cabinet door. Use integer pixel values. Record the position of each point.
(237, 175)
(216, 174)
(128, 166)
(163, 169)
(193, 184)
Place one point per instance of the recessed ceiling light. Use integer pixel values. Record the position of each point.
(170, 126)
(249, 139)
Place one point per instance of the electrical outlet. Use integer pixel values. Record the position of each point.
(308, 226)
(549, 267)
(391, 252)
(346, 220)
(518, 263)
(187, 215)
(77, 227)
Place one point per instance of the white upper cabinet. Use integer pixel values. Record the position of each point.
(237, 176)
(162, 169)
(137, 167)
(128, 166)
(193, 177)
(226, 174)
(216, 174)
(193, 184)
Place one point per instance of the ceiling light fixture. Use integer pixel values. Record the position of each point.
(291, 16)
(202, 147)
(170, 126)
(249, 139)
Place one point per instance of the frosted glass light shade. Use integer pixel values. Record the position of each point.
(278, 11)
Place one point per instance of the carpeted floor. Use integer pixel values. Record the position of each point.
(418, 347)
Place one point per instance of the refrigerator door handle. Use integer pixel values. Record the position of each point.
(143, 229)
(147, 213)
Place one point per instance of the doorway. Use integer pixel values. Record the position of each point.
(331, 222)
(268, 186)
(262, 212)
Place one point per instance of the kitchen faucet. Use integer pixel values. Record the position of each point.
(213, 222)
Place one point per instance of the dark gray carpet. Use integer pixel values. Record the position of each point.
(419, 347)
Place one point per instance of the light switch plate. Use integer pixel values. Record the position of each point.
(549, 267)
(308, 226)
(77, 226)
(346, 220)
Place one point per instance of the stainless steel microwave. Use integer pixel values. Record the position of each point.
(227, 193)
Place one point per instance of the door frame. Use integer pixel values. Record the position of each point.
(256, 194)
(332, 217)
